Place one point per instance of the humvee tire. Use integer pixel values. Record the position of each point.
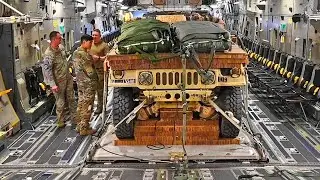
(230, 100)
(123, 104)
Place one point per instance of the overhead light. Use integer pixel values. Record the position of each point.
(236, 2)
(124, 7)
(214, 6)
(57, 1)
(79, 2)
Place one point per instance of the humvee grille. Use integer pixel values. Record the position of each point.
(175, 78)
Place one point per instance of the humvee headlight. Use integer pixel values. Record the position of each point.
(118, 74)
(208, 78)
(235, 72)
(145, 78)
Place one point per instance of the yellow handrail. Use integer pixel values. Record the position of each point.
(5, 92)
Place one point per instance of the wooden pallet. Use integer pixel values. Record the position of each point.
(168, 131)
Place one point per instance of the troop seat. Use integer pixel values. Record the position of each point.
(269, 72)
(314, 86)
(297, 92)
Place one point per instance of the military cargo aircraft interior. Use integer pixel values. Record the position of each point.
(159, 89)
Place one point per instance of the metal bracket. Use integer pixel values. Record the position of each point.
(233, 120)
(12, 8)
(224, 114)
(131, 115)
(128, 118)
(22, 18)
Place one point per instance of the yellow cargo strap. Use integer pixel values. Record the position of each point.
(5, 92)
(275, 67)
(295, 80)
(70, 70)
(269, 63)
(251, 55)
(264, 61)
(282, 71)
(289, 75)
(305, 84)
(316, 91)
(259, 59)
(43, 86)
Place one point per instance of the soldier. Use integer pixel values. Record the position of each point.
(57, 76)
(86, 81)
(99, 51)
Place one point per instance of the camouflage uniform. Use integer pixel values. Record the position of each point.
(86, 81)
(56, 73)
(100, 49)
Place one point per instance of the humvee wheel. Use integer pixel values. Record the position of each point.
(123, 104)
(230, 100)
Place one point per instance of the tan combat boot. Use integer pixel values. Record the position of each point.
(98, 110)
(86, 132)
(61, 124)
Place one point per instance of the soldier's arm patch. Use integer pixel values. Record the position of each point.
(48, 70)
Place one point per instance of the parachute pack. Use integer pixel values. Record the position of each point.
(154, 36)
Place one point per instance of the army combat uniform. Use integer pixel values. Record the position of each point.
(55, 68)
(86, 81)
(100, 49)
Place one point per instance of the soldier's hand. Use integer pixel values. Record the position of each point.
(95, 57)
(55, 89)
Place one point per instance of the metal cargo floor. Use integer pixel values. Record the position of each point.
(51, 153)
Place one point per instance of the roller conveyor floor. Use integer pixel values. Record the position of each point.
(51, 153)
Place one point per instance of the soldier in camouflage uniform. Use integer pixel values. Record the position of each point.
(99, 51)
(57, 76)
(86, 81)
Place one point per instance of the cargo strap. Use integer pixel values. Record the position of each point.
(192, 54)
(153, 58)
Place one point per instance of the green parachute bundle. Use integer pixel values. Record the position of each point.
(145, 36)
(203, 36)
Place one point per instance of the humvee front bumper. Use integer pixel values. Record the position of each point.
(171, 79)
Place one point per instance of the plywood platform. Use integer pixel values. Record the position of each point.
(169, 132)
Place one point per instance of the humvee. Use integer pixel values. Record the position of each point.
(145, 90)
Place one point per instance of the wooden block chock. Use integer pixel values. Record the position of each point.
(169, 132)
